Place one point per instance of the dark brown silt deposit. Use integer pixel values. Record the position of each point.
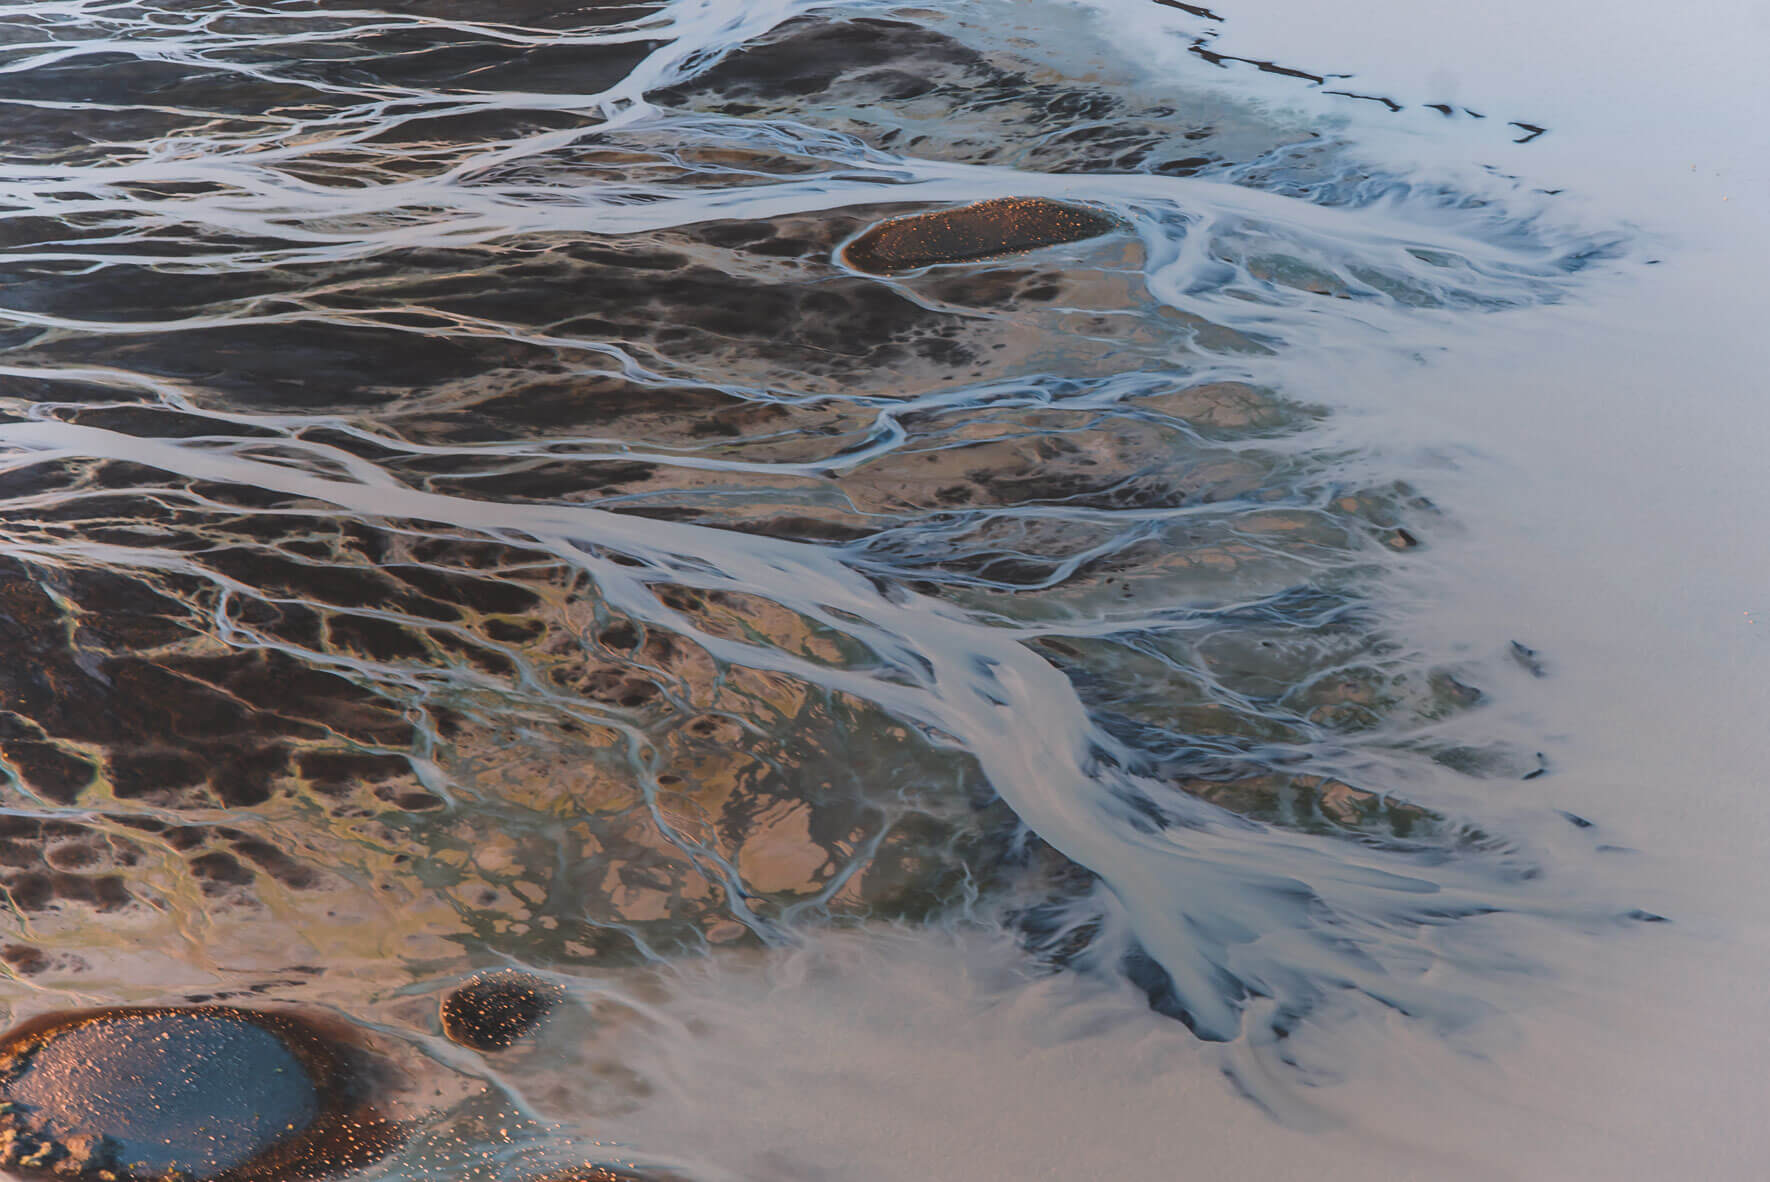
(199, 1093)
(605, 1174)
(1002, 225)
(495, 1009)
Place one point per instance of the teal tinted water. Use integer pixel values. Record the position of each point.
(169, 1089)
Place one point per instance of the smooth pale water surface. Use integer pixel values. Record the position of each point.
(463, 515)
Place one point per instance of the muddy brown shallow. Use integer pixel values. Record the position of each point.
(201, 1093)
(605, 1174)
(1002, 225)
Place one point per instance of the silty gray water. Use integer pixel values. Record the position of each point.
(461, 509)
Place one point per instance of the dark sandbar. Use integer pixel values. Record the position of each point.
(1002, 225)
(495, 1009)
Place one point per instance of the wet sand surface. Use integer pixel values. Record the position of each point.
(484, 345)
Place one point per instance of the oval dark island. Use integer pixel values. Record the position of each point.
(492, 1010)
(1001, 225)
(200, 1093)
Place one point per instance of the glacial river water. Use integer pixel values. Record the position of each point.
(1273, 689)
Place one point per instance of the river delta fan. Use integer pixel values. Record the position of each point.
(493, 1010)
(984, 229)
(509, 484)
(198, 1093)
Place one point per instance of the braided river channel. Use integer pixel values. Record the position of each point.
(981, 590)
